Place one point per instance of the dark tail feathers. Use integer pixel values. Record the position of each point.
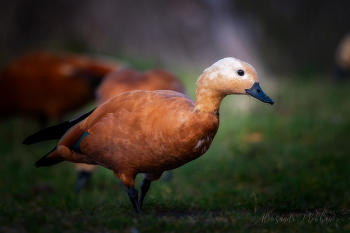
(54, 132)
(45, 161)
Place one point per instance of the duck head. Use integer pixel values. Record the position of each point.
(231, 76)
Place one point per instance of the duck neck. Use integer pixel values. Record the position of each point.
(208, 100)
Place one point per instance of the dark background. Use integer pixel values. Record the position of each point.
(285, 36)
(291, 158)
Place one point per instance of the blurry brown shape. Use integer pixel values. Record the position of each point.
(42, 188)
(255, 137)
(125, 80)
(306, 139)
(47, 85)
(343, 57)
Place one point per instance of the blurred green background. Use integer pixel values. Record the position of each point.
(289, 159)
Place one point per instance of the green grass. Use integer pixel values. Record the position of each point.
(289, 160)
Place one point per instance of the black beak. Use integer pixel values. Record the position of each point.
(258, 93)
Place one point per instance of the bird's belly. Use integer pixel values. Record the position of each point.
(171, 156)
(133, 147)
(138, 156)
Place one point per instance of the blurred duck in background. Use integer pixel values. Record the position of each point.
(342, 58)
(124, 80)
(47, 85)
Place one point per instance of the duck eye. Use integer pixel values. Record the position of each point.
(240, 72)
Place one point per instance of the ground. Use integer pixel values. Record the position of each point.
(280, 168)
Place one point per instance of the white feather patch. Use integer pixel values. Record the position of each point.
(199, 143)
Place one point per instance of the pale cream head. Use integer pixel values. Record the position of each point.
(225, 77)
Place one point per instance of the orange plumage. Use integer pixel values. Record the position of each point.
(151, 132)
(48, 85)
(124, 80)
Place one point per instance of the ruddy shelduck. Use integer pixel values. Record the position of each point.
(151, 132)
(124, 80)
(47, 85)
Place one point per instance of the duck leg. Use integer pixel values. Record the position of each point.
(84, 172)
(144, 189)
(146, 183)
(133, 195)
(129, 182)
(83, 180)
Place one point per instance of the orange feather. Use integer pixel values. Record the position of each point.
(124, 80)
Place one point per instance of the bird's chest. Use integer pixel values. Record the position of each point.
(198, 140)
(203, 143)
